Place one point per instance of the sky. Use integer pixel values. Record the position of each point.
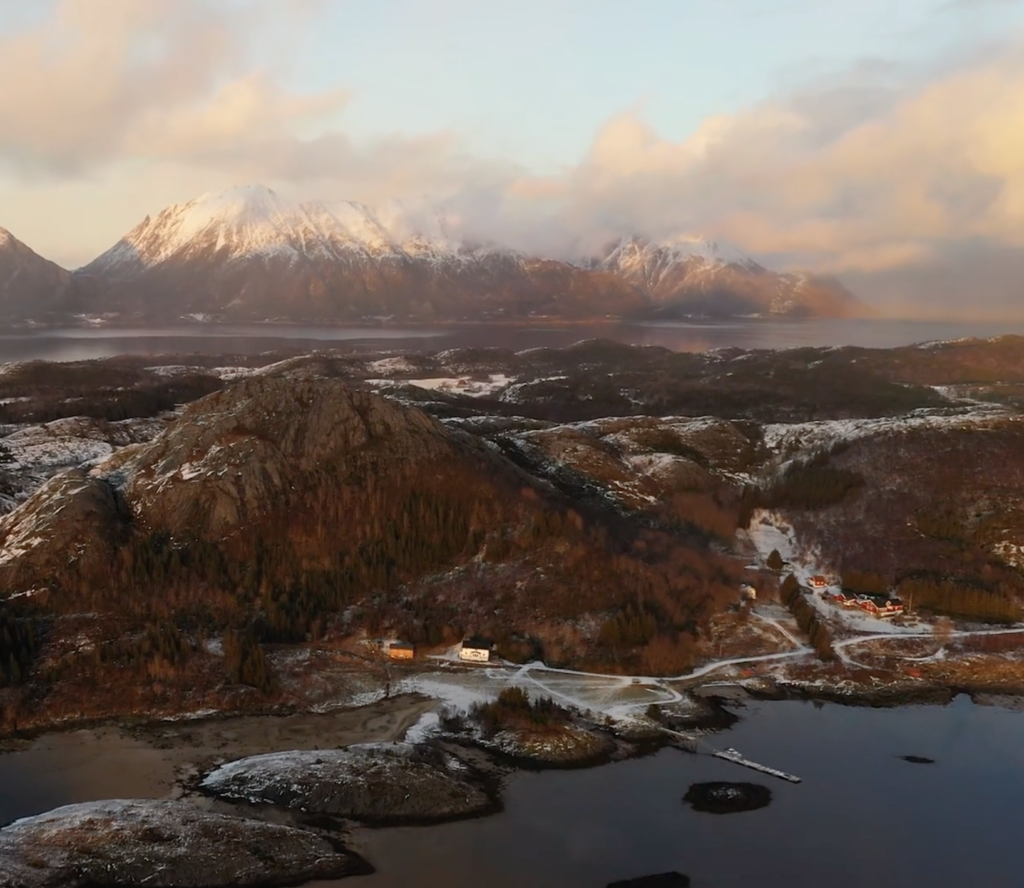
(875, 140)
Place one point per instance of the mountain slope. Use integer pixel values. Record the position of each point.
(29, 284)
(695, 276)
(248, 254)
(290, 461)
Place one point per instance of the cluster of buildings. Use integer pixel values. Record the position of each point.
(472, 650)
(876, 605)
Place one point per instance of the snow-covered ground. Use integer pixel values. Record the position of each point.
(453, 385)
(770, 531)
(36, 453)
(789, 438)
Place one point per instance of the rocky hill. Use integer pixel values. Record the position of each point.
(29, 284)
(239, 465)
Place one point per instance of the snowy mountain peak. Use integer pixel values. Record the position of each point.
(252, 205)
(253, 222)
(683, 248)
(707, 250)
(250, 222)
(248, 252)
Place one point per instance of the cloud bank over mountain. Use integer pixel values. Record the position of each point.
(889, 174)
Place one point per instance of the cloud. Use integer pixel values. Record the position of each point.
(103, 80)
(171, 82)
(875, 172)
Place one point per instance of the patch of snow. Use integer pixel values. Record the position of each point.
(791, 437)
(453, 385)
(391, 365)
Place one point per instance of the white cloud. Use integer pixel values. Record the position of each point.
(103, 80)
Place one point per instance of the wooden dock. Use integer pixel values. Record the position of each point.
(731, 755)
(693, 744)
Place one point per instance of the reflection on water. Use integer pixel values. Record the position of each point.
(862, 816)
(79, 766)
(88, 343)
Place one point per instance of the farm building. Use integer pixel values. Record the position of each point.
(400, 650)
(476, 650)
(879, 606)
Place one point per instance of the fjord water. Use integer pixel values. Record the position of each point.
(78, 344)
(862, 816)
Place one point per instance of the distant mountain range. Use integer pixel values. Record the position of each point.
(247, 254)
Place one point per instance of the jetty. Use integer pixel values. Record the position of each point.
(731, 755)
(693, 744)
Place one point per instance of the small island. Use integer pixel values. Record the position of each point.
(661, 880)
(370, 783)
(727, 798)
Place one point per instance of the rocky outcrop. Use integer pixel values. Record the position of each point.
(661, 880)
(73, 522)
(237, 455)
(371, 783)
(162, 843)
(727, 798)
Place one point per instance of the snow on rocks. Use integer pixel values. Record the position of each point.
(453, 385)
(789, 438)
(161, 843)
(374, 783)
(36, 453)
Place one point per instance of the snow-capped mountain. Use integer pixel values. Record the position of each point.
(250, 223)
(247, 253)
(28, 282)
(692, 275)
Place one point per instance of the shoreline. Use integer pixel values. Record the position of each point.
(415, 704)
(175, 757)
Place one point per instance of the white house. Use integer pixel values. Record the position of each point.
(476, 650)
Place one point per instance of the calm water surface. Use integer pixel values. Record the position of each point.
(862, 817)
(87, 343)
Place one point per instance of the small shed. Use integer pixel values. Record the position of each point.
(476, 650)
(819, 582)
(401, 650)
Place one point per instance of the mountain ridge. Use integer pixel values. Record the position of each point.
(27, 280)
(247, 254)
